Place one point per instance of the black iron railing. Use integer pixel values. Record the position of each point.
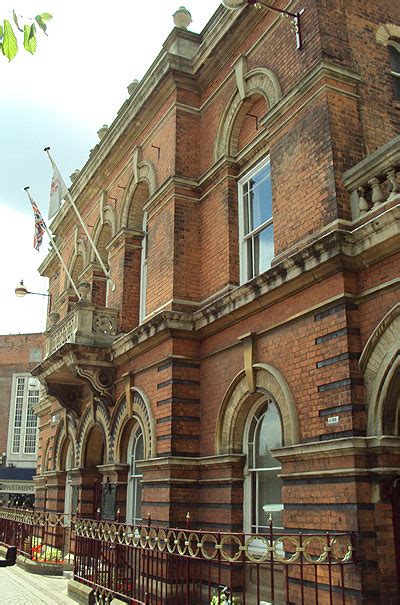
(167, 566)
(43, 537)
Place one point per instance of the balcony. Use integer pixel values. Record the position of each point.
(85, 324)
(78, 365)
(374, 182)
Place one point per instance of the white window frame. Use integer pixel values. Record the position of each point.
(21, 422)
(143, 271)
(247, 486)
(243, 237)
(133, 516)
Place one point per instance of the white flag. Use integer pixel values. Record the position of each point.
(58, 190)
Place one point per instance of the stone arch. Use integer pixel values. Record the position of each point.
(84, 431)
(77, 263)
(380, 365)
(259, 81)
(238, 402)
(62, 460)
(123, 422)
(46, 466)
(102, 235)
(144, 179)
(60, 439)
(387, 31)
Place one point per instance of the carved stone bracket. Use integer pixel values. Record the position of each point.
(69, 396)
(100, 381)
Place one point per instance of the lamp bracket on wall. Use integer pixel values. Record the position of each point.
(293, 17)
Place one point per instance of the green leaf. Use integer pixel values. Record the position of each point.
(14, 14)
(1, 31)
(10, 45)
(30, 38)
(46, 16)
(41, 23)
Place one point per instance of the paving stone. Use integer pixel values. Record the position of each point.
(17, 587)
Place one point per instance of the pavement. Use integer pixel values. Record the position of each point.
(18, 587)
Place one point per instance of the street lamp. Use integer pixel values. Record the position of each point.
(21, 291)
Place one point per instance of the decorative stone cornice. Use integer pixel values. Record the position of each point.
(158, 326)
(189, 462)
(334, 251)
(338, 448)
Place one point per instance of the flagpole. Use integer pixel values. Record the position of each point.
(69, 196)
(56, 249)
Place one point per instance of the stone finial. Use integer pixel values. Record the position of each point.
(132, 87)
(74, 175)
(84, 290)
(182, 18)
(102, 132)
(52, 319)
(234, 4)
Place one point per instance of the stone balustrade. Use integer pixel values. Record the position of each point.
(85, 324)
(375, 180)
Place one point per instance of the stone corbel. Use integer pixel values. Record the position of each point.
(100, 381)
(240, 67)
(247, 341)
(68, 396)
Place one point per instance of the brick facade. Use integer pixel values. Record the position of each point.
(321, 323)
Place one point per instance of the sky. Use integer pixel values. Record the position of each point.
(60, 97)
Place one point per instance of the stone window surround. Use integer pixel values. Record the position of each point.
(387, 35)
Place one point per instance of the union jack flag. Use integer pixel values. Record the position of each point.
(40, 225)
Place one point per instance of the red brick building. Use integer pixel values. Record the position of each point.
(245, 202)
(19, 392)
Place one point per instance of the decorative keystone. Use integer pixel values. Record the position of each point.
(182, 18)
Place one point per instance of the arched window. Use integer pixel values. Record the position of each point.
(262, 485)
(394, 57)
(134, 488)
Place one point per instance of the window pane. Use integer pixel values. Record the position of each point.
(394, 57)
(261, 198)
(19, 403)
(31, 419)
(263, 250)
(139, 454)
(269, 497)
(138, 501)
(246, 224)
(249, 245)
(396, 84)
(268, 436)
